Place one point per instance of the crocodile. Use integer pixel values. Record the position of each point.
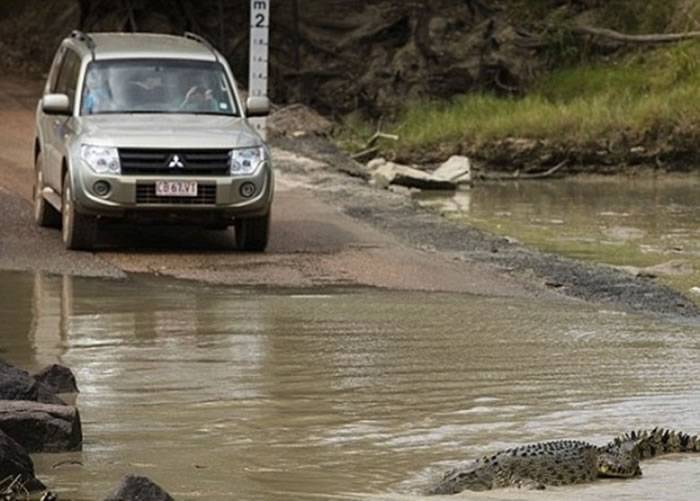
(565, 462)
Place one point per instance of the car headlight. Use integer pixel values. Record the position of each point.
(101, 159)
(244, 161)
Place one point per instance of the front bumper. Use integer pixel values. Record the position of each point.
(219, 196)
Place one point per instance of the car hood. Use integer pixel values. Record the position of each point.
(167, 131)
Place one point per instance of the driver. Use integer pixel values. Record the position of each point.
(199, 97)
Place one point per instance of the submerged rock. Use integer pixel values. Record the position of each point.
(138, 488)
(58, 379)
(41, 427)
(17, 384)
(14, 461)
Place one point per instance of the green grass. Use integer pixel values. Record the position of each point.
(643, 94)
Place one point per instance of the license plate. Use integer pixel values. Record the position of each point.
(176, 188)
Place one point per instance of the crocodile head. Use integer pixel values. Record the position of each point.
(617, 464)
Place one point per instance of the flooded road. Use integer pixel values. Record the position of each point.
(223, 393)
(646, 222)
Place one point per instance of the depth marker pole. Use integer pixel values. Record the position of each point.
(259, 51)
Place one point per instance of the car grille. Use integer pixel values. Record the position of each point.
(184, 162)
(146, 194)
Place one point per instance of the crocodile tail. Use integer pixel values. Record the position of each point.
(646, 444)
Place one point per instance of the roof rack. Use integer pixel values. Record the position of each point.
(84, 37)
(203, 41)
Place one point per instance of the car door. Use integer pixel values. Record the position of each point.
(57, 126)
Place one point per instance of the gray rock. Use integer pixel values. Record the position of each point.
(16, 384)
(58, 379)
(375, 163)
(138, 488)
(457, 169)
(14, 461)
(402, 175)
(41, 427)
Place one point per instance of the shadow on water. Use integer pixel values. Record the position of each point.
(217, 393)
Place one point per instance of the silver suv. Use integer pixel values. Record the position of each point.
(148, 128)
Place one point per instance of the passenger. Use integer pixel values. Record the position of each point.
(97, 96)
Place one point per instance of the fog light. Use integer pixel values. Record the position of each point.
(101, 188)
(247, 190)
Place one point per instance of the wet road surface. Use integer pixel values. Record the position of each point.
(312, 242)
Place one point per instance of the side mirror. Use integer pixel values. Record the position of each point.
(56, 104)
(257, 106)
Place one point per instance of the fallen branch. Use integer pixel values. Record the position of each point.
(635, 39)
(527, 176)
(381, 135)
(366, 153)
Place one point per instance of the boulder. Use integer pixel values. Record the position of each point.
(58, 379)
(41, 427)
(138, 488)
(16, 384)
(457, 170)
(403, 175)
(14, 461)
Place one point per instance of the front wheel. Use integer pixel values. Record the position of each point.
(252, 233)
(44, 213)
(79, 230)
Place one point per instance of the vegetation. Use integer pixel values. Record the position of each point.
(641, 95)
(590, 97)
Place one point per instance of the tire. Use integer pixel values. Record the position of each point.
(79, 231)
(252, 233)
(45, 215)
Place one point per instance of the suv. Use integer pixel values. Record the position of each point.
(148, 128)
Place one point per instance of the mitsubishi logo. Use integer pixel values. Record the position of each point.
(175, 162)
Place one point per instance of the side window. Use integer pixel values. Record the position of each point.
(56, 69)
(67, 80)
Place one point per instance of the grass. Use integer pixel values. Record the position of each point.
(642, 94)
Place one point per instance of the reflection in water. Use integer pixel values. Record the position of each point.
(634, 221)
(223, 394)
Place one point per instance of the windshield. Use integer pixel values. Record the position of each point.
(157, 86)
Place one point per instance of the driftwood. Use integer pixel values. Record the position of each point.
(616, 36)
(370, 148)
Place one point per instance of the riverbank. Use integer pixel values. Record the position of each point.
(641, 110)
(403, 218)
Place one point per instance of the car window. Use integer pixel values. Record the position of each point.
(58, 61)
(157, 86)
(67, 80)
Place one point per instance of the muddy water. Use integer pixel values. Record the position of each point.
(642, 221)
(223, 394)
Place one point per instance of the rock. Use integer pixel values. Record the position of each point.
(695, 290)
(16, 384)
(15, 460)
(457, 170)
(375, 163)
(58, 379)
(138, 488)
(41, 427)
(402, 175)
